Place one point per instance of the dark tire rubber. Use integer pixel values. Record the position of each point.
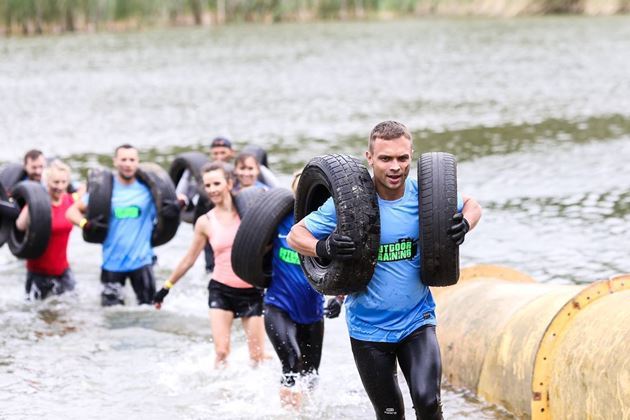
(6, 222)
(163, 192)
(251, 258)
(33, 242)
(99, 186)
(193, 162)
(437, 203)
(10, 175)
(349, 183)
(244, 200)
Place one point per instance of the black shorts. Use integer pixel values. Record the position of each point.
(242, 302)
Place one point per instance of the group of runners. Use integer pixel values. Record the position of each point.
(391, 322)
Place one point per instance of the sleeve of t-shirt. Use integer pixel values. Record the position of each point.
(460, 203)
(86, 198)
(322, 221)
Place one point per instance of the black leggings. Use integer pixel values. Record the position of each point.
(299, 346)
(419, 358)
(142, 281)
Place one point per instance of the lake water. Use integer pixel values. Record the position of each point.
(537, 111)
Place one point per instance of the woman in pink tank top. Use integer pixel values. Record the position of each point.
(229, 296)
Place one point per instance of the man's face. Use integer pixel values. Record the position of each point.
(126, 162)
(35, 168)
(222, 153)
(391, 160)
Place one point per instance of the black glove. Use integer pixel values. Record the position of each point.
(336, 246)
(95, 224)
(459, 229)
(159, 296)
(333, 308)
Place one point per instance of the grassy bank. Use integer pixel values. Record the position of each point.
(45, 16)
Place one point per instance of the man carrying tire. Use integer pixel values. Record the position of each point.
(127, 251)
(393, 319)
(34, 165)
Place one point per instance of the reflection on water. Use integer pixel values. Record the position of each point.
(535, 110)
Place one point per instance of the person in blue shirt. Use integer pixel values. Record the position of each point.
(127, 251)
(393, 320)
(294, 316)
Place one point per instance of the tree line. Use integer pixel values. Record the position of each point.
(44, 16)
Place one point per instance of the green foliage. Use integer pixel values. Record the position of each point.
(31, 15)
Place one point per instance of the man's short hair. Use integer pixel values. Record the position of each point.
(221, 142)
(123, 146)
(388, 130)
(32, 155)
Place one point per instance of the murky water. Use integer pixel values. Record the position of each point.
(536, 110)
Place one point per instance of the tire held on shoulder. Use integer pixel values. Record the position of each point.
(251, 256)
(348, 181)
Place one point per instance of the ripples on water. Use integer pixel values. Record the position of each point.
(536, 110)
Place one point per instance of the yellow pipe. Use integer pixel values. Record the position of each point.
(504, 337)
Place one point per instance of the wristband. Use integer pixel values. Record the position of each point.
(83, 222)
(168, 285)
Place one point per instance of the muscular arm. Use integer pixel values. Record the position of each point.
(199, 241)
(75, 212)
(301, 240)
(471, 211)
(24, 219)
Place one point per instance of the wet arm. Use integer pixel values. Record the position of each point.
(199, 241)
(471, 211)
(24, 219)
(75, 212)
(302, 240)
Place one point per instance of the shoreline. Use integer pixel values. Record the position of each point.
(34, 23)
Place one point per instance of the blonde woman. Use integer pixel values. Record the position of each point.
(50, 273)
(229, 296)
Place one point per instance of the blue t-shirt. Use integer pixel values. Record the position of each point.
(127, 246)
(395, 303)
(289, 289)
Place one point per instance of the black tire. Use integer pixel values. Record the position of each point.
(259, 153)
(10, 175)
(244, 200)
(193, 162)
(7, 218)
(99, 186)
(250, 259)
(165, 199)
(349, 183)
(33, 242)
(437, 203)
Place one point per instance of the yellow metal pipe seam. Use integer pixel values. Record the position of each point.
(496, 326)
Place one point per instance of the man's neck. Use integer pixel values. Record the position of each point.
(388, 194)
(126, 181)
